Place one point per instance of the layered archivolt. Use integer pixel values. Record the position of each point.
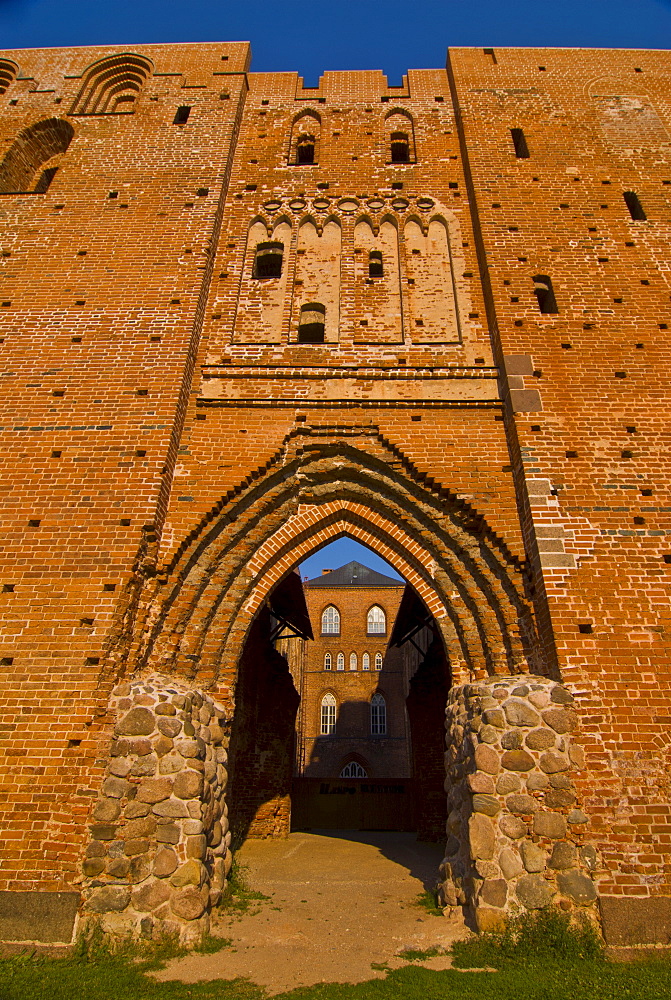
(112, 85)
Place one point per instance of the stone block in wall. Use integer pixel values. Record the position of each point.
(159, 851)
(514, 842)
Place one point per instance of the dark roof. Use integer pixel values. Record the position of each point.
(354, 574)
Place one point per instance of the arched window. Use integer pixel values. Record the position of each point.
(352, 661)
(268, 260)
(544, 293)
(112, 85)
(340, 661)
(305, 135)
(378, 661)
(330, 621)
(353, 770)
(328, 661)
(8, 71)
(378, 716)
(305, 149)
(365, 661)
(312, 323)
(377, 621)
(400, 136)
(328, 715)
(375, 268)
(23, 168)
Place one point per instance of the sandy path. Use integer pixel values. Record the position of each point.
(336, 907)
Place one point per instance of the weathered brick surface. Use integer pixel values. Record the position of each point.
(150, 378)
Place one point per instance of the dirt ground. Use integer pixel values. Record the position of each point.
(340, 903)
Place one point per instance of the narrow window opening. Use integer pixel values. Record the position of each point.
(268, 260)
(328, 715)
(305, 149)
(375, 268)
(365, 661)
(633, 203)
(312, 324)
(353, 661)
(400, 147)
(328, 662)
(340, 661)
(378, 716)
(520, 144)
(182, 115)
(544, 293)
(378, 661)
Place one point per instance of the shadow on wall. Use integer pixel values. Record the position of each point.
(261, 752)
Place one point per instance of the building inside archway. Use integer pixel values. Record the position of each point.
(340, 719)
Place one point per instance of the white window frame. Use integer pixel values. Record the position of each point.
(353, 766)
(340, 661)
(353, 661)
(365, 661)
(330, 620)
(328, 662)
(376, 621)
(328, 715)
(378, 661)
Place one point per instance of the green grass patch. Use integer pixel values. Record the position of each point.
(536, 937)
(411, 955)
(428, 901)
(539, 957)
(237, 898)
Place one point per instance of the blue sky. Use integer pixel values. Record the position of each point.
(309, 36)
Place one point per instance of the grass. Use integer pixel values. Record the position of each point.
(428, 901)
(412, 955)
(237, 897)
(537, 958)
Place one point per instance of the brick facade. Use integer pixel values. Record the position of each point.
(173, 445)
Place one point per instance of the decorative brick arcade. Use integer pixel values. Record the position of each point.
(239, 318)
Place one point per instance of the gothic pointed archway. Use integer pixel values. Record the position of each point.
(322, 485)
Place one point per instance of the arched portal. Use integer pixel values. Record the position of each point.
(317, 488)
(198, 613)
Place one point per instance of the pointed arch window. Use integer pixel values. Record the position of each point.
(353, 770)
(378, 715)
(328, 715)
(365, 661)
(330, 621)
(304, 143)
(353, 664)
(378, 661)
(376, 621)
(328, 662)
(340, 661)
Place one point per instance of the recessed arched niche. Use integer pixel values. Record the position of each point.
(377, 296)
(431, 292)
(317, 283)
(263, 284)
